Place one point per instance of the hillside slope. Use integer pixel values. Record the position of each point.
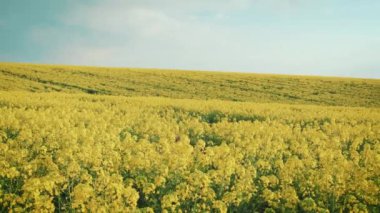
(190, 84)
(71, 141)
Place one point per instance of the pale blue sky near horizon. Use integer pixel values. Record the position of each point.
(302, 37)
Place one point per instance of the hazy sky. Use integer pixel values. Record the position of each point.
(311, 37)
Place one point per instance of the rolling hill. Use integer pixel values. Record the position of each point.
(91, 139)
(191, 84)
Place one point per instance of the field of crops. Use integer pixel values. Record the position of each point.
(98, 140)
(191, 85)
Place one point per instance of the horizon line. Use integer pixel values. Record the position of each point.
(191, 70)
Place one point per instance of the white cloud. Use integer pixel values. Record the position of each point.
(194, 35)
(146, 17)
(147, 36)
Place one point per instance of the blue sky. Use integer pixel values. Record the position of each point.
(308, 37)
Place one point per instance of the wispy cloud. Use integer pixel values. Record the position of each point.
(150, 18)
(216, 35)
(144, 35)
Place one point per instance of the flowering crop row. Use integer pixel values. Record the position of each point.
(65, 152)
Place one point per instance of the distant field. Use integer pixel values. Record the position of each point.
(82, 139)
(192, 85)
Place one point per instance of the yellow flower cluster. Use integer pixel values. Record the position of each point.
(79, 152)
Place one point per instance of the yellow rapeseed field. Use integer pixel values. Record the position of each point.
(85, 139)
(192, 85)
